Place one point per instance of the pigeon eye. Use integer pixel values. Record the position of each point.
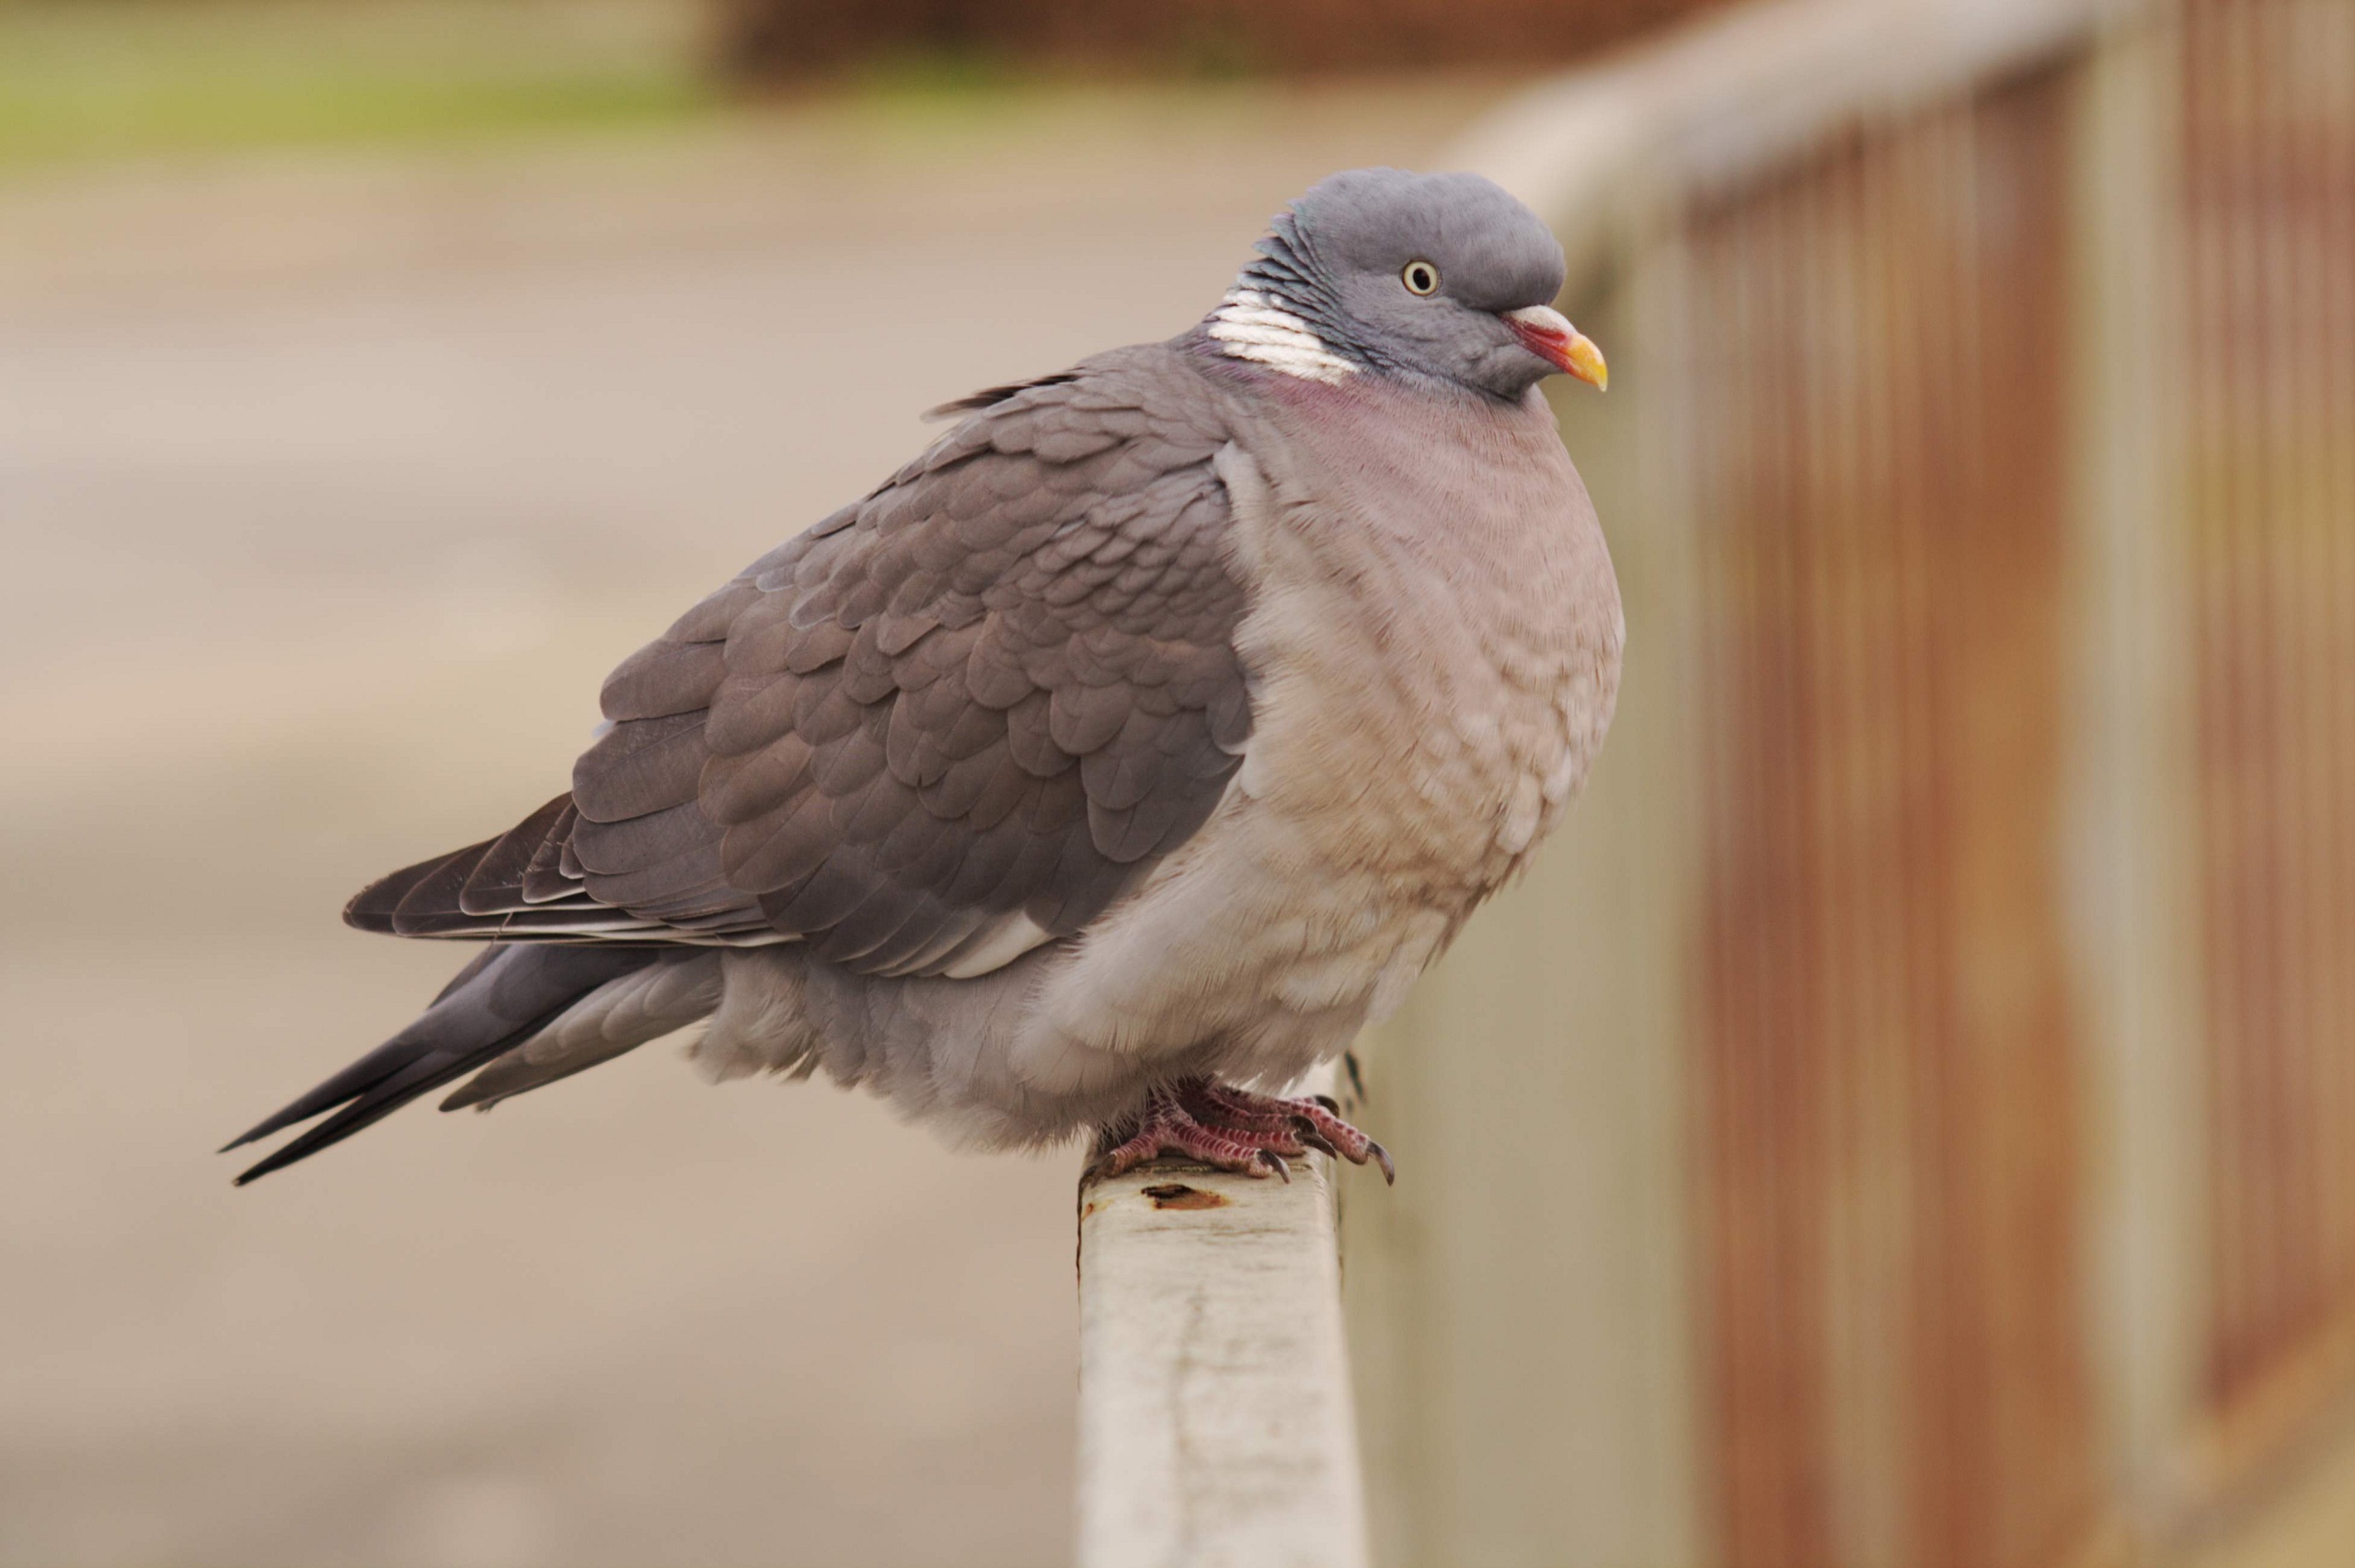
(1421, 278)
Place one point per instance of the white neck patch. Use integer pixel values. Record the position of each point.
(1249, 326)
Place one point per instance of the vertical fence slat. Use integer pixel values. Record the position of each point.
(2268, 185)
(1894, 1268)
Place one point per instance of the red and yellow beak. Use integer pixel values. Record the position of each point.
(1548, 333)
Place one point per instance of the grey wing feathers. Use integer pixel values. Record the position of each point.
(954, 719)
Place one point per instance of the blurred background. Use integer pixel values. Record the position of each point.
(1909, 1118)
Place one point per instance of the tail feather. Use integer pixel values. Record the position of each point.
(498, 1001)
(673, 993)
(475, 966)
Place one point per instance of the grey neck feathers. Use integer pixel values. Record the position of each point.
(1282, 313)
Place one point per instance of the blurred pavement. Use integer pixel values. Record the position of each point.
(329, 488)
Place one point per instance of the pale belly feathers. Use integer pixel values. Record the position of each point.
(1435, 655)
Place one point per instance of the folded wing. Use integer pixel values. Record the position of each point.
(951, 722)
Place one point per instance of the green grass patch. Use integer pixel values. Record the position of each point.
(134, 78)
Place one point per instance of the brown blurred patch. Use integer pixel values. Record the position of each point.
(781, 39)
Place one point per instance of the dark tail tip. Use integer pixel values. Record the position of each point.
(494, 1006)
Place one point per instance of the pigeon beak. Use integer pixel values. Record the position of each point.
(1548, 333)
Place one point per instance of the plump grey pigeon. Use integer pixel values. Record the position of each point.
(1116, 760)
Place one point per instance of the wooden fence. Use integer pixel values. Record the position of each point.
(2268, 193)
(1911, 1116)
(1941, 1021)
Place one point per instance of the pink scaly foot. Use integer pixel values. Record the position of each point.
(1230, 1130)
(1168, 1125)
(1323, 1125)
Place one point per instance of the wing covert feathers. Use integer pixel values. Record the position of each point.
(951, 721)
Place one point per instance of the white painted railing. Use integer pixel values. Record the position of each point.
(1215, 1423)
(1216, 1428)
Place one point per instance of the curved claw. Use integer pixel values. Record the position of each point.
(1308, 1135)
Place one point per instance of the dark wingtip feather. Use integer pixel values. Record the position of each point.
(430, 905)
(440, 889)
(497, 882)
(372, 907)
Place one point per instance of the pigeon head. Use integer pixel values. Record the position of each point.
(1433, 275)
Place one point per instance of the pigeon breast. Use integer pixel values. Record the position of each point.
(1433, 640)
